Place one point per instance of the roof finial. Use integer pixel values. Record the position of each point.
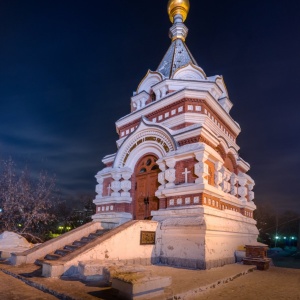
(178, 10)
(178, 54)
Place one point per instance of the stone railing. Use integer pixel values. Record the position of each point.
(167, 176)
(139, 101)
(120, 186)
(239, 186)
(160, 92)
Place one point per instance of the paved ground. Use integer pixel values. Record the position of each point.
(12, 288)
(222, 283)
(274, 284)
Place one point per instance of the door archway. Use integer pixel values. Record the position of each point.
(146, 176)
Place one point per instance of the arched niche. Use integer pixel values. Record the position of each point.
(149, 81)
(230, 163)
(190, 72)
(220, 149)
(146, 139)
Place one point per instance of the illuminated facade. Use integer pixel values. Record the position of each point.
(177, 161)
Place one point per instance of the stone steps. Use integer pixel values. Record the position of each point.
(79, 243)
(69, 248)
(82, 248)
(62, 252)
(52, 257)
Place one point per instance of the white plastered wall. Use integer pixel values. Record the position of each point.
(203, 237)
(226, 232)
(122, 246)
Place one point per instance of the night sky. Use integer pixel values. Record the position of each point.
(68, 70)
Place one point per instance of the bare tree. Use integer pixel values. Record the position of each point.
(25, 201)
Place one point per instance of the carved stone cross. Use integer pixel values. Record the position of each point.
(185, 173)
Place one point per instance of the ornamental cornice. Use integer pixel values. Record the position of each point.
(112, 200)
(184, 118)
(228, 214)
(189, 117)
(182, 95)
(243, 165)
(191, 140)
(205, 132)
(166, 107)
(179, 84)
(106, 172)
(108, 158)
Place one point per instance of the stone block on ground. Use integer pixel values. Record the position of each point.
(114, 270)
(91, 270)
(261, 264)
(97, 270)
(137, 285)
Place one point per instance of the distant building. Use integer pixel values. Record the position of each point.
(81, 216)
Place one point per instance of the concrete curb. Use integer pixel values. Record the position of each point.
(38, 286)
(204, 289)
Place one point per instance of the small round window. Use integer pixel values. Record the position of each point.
(149, 162)
(143, 170)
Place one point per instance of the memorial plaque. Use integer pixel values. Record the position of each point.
(147, 238)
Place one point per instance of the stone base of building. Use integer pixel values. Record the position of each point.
(202, 237)
(112, 220)
(196, 264)
(196, 237)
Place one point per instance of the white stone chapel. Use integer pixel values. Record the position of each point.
(177, 161)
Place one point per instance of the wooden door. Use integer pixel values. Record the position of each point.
(146, 186)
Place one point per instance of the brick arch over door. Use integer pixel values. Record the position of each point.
(145, 184)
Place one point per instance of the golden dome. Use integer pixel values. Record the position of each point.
(178, 7)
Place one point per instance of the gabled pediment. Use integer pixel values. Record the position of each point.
(149, 81)
(189, 72)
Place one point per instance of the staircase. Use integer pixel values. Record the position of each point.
(69, 248)
(88, 231)
(92, 242)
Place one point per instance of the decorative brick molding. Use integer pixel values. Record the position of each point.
(185, 105)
